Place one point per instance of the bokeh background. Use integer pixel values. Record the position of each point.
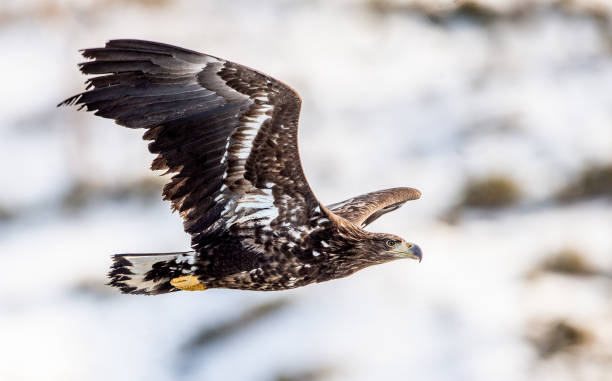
(499, 111)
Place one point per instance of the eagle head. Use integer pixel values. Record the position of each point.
(373, 248)
(389, 247)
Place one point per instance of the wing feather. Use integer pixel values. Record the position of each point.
(226, 133)
(366, 208)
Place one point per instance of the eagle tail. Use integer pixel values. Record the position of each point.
(151, 274)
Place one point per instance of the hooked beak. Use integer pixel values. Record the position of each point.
(409, 250)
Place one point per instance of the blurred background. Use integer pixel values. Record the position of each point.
(499, 111)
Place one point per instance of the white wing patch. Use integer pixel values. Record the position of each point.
(248, 130)
(249, 208)
(254, 208)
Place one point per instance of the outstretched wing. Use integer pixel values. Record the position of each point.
(366, 208)
(227, 133)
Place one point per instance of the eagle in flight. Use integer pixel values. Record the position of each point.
(228, 136)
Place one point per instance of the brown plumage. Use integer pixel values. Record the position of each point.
(228, 136)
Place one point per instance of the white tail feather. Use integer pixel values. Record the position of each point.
(150, 273)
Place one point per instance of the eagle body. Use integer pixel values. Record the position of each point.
(228, 136)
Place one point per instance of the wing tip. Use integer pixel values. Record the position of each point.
(406, 193)
(73, 100)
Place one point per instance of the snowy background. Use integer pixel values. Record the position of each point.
(499, 111)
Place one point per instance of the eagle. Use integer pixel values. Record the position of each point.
(227, 134)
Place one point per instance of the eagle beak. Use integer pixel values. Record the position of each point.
(409, 250)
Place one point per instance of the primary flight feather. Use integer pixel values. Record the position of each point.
(228, 136)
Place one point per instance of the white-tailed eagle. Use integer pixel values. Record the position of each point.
(228, 136)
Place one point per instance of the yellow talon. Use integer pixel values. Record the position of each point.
(188, 283)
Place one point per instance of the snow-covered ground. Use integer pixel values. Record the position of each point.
(392, 96)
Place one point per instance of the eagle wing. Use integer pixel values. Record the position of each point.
(366, 208)
(226, 133)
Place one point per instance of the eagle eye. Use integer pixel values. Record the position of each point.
(390, 242)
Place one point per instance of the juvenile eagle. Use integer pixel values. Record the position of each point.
(228, 136)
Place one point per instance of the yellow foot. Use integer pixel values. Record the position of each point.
(188, 283)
